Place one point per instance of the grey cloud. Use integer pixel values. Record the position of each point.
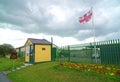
(33, 16)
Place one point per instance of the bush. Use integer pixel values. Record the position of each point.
(13, 55)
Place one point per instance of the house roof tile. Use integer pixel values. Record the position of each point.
(39, 41)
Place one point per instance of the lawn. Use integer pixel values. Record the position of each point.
(53, 72)
(7, 64)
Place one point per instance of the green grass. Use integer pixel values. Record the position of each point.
(7, 64)
(52, 72)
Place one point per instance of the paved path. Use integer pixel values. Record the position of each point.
(3, 78)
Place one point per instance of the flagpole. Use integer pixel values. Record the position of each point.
(94, 35)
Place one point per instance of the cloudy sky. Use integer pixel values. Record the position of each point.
(22, 19)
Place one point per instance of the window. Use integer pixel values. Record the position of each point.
(43, 49)
(28, 49)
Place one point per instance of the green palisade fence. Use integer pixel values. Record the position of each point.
(108, 52)
(21, 54)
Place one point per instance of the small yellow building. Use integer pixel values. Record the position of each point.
(37, 50)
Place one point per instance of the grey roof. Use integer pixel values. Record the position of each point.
(39, 41)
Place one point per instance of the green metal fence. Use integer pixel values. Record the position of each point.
(63, 54)
(21, 54)
(75, 53)
(54, 53)
(107, 52)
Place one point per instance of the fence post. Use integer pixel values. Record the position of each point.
(118, 51)
(91, 53)
(68, 53)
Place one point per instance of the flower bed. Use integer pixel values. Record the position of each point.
(106, 70)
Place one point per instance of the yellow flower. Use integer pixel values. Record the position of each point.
(112, 74)
(78, 66)
(100, 67)
(108, 68)
(88, 69)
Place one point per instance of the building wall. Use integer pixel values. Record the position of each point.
(27, 55)
(42, 53)
(23, 49)
(17, 49)
(21, 52)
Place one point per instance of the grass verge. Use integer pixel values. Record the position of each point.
(7, 64)
(52, 72)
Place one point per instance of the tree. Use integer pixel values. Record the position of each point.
(5, 49)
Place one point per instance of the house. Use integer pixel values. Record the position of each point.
(20, 52)
(37, 50)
